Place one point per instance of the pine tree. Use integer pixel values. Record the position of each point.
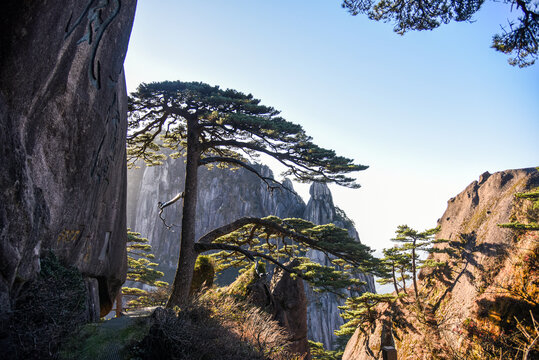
(413, 242)
(360, 311)
(394, 266)
(277, 241)
(519, 39)
(532, 214)
(209, 126)
(141, 270)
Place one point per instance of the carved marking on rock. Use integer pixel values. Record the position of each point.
(95, 29)
(103, 159)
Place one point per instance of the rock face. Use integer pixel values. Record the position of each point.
(322, 309)
(62, 140)
(223, 197)
(290, 308)
(284, 298)
(487, 260)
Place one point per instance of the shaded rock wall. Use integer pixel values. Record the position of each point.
(62, 140)
(223, 197)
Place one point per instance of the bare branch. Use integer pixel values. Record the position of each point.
(162, 206)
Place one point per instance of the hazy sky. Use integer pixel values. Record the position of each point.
(428, 111)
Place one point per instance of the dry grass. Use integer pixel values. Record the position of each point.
(214, 326)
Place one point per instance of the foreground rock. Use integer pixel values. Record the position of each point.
(290, 309)
(283, 298)
(62, 141)
(470, 306)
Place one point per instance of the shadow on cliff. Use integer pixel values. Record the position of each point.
(465, 252)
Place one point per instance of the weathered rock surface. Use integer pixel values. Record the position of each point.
(322, 309)
(223, 197)
(281, 296)
(486, 262)
(62, 140)
(290, 308)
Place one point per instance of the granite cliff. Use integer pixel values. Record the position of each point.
(63, 119)
(470, 308)
(224, 196)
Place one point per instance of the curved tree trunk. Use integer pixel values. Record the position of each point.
(186, 261)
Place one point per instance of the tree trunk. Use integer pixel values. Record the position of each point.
(394, 278)
(403, 274)
(414, 270)
(119, 303)
(186, 261)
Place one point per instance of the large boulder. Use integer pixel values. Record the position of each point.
(62, 141)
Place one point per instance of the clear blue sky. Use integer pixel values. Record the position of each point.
(428, 111)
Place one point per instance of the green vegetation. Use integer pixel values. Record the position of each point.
(393, 268)
(141, 269)
(518, 39)
(240, 287)
(270, 239)
(413, 241)
(214, 325)
(209, 126)
(360, 311)
(531, 216)
(203, 275)
(108, 339)
(319, 353)
(46, 312)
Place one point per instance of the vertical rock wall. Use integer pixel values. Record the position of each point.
(322, 309)
(223, 197)
(62, 140)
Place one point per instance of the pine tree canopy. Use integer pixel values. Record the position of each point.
(359, 311)
(276, 240)
(140, 269)
(229, 127)
(532, 213)
(519, 39)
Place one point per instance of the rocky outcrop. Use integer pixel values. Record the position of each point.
(281, 296)
(290, 309)
(322, 309)
(469, 304)
(369, 343)
(62, 140)
(223, 197)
